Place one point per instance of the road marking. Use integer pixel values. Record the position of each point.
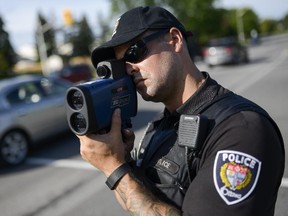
(75, 164)
(64, 163)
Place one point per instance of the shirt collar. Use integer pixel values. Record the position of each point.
(205, 94)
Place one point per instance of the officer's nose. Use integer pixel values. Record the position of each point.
(131, 68)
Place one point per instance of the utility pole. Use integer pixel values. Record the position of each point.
(240, 25)
(41, 29)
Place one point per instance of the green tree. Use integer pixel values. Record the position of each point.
(202, 17)
(228, 25)
(104, 31)
(268, 26)
(199, 16)
(82, 38)
(250, 21)
(285, 22)
(45, 30)
(247, 16)
(7, 53)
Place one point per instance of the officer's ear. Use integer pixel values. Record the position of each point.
(176, 39)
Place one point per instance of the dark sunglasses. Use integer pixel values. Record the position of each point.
(137, 51)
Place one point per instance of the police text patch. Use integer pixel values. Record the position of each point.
(167, 165)
(235, 175)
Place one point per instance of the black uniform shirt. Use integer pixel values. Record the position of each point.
(239, 170)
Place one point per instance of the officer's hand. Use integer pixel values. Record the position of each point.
(106, 151)
(128, 138)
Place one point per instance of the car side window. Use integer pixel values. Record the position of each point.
(27, 93)
(52, 88)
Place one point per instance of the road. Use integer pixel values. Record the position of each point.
(55, 181)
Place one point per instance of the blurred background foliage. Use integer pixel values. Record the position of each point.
(202, 17)
(7, 53)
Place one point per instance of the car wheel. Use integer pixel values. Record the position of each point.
(14, 148)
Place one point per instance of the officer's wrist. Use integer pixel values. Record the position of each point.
(114, 178)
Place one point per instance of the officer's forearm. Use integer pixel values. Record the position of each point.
(140, 201)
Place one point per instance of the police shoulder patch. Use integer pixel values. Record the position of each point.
(235, 175)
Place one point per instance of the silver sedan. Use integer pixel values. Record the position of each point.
(32, 108)
(225, 51)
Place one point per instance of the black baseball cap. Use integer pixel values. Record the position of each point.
(132, 24)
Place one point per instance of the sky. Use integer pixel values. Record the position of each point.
(20, 16)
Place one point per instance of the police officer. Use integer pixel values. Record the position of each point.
(211, 152)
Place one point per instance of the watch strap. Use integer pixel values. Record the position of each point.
(116, 175)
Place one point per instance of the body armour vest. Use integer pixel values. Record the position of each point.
(169, 167)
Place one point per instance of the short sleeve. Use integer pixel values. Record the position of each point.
(240, 169)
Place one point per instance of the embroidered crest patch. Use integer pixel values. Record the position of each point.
(235, 175)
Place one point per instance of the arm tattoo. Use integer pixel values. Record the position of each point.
(140, 201)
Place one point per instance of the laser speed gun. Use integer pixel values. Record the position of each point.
(89, 106)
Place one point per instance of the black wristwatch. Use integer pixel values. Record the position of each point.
(116, 175)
